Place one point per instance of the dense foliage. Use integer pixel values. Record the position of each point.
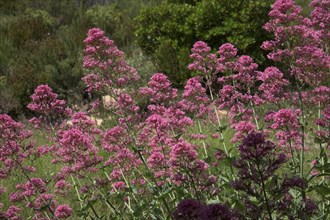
(39, 44)
(169, 30)
(237, 143)
(41, 41)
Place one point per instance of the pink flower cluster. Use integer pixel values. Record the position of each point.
(159, 133)
(319, 96)
(62, 187)
(127, 109)
(33, 194)
(204, 61)
(320, 17)
(116, 141)
(184, 156)
(12, 213)
(106, 63)
(52, 110)
(188, 170)
(63, 211)
(273, 85)
(238, 94)
(75, 149)
(237, 89)
(33, 187)
(12, 149)
(301, 45)
(159, 89)
(288, 129)
(194, 98)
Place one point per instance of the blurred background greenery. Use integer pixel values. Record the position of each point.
(41, 41)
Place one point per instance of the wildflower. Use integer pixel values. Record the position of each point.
(257, 163)
(156, 159)
(309, 63)
(285, 123)
(12, 213)
(273, 84)
(323, 134)
(44, 200)
(159, 89)
(51, 109)
(227, 51)
(112, 70)
(188, 209)
(218, 211)
(76, 148)
(182, 151)
(119, 185)
(294, 182)
(195, 100)
(62, 186)
(63, 211)
(203, 61)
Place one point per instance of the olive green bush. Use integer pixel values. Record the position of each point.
(168, 31)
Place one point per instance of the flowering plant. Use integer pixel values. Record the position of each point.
(237, 143)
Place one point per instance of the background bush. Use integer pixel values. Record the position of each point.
(168, 31)
(41, 42)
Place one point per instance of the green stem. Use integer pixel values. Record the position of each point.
(95, 213)
(302, 137)
(221, 133)
(219, 122)
(302, 151)
(264, 191)
(110, 206)
(292, 157)
(155, 182)
(321, 148)
(204, 145)
(194, 186)
(77, 192)
(128, 205)
(319, 159)
(254, 115)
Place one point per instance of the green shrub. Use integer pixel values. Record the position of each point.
(117, 19)
(168, 31)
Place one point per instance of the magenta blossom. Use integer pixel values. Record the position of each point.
(109, 71)
(63, 211)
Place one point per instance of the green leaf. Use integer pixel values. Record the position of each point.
(271, 184)
(323, 190)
